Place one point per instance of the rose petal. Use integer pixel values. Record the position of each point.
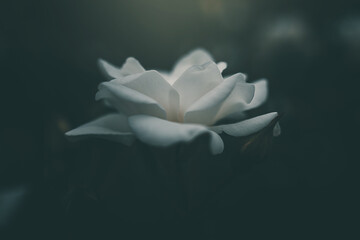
(221, 66)
(277, 130)
(131, 66)
(196, 82)
(241, 95)
(246, 127)
(204, 110)
(196, 57)
(162, 133)
(216, 143)
(112, 127)
(129, 101)
(260, 96)
(153, 85)
(166, 76)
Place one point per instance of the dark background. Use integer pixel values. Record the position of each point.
(309, 50)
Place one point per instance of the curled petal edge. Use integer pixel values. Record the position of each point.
(249, 126)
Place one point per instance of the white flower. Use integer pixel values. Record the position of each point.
(162, 109)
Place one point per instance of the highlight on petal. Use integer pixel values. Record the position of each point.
(162, 133)
(260, 96)
(131, 66)
(153, 85)
(241, 95)
(222, 66)
(129, 101)
(246, 127)
(204, 110)
(113, 127)
(196, 82)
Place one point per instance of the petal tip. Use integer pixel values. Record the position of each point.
(216, 143)
(131, 60)
(277, 130)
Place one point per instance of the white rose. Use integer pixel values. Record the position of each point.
(162, 109)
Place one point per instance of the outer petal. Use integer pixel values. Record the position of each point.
(129, 101)
(196, 82)
(153, 85)
(131, 66)
(112, 127)
(235, 104)
(205, 109)
(260, 96)
(246, 127)
(162, 133)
